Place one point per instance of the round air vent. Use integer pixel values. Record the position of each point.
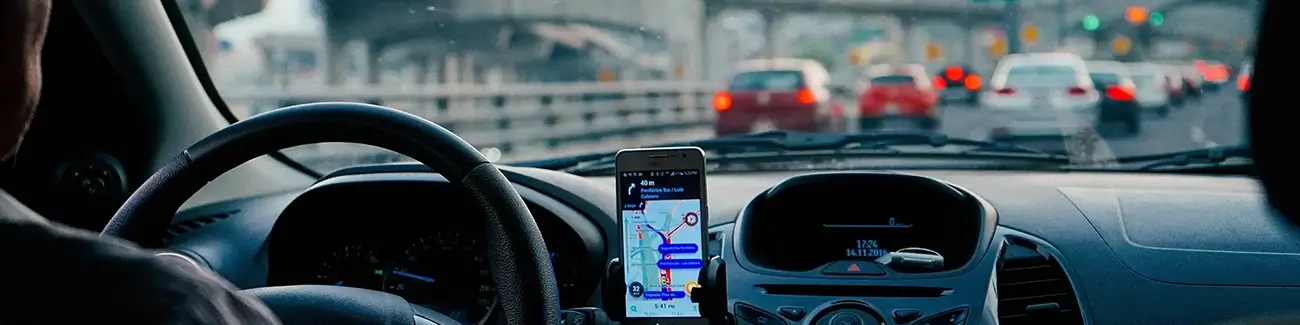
(91, 178)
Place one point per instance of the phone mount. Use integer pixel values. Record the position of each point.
(711, 294)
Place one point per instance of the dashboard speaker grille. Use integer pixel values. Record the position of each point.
(1033, 288)
(180, 228)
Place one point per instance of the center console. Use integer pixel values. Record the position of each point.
(868, 248)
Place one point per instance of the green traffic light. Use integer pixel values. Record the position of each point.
(1091, 22)
(1156, 19)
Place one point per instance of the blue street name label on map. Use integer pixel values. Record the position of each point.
(689, 263)
(665, 295)
(678, 248)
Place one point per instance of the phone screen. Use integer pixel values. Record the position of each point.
(663, 241)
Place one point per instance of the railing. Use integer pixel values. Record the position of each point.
(518, 120)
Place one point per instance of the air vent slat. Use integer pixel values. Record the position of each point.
(1032, 288)
(180, 228)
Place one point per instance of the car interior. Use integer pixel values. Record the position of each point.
(162, 163)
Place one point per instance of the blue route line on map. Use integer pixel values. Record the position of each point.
(661, 234)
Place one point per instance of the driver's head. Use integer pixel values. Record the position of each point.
(22, 33)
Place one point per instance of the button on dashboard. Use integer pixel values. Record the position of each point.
(902, 316)
(757, 316)
(854, 268)
(793, 313)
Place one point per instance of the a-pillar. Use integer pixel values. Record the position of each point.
(773, 22)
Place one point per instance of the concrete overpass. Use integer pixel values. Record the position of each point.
(201, 15)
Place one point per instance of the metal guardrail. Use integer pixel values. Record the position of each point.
(510, 118)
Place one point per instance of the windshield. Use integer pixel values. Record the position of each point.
(768, 80)
(1042, 76)
(525, 80)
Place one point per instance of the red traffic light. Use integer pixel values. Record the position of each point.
(1136, 15)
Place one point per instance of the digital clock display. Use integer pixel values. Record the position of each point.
(870, 239)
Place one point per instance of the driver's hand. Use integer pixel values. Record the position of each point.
(53, 274)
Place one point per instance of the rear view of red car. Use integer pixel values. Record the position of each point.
(781, 94)
(904, 98)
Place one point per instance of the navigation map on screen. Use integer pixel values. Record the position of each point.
(663, 240)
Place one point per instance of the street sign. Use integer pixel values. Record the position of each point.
(999, 48)
(933, 52)
(1029, 34)
(605, 74)
(1121, 45)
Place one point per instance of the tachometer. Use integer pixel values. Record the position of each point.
(445, 272)
(354, 266)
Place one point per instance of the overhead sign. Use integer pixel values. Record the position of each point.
(933, 52)
(1029, 33)
(1121, 45)
(999, 48)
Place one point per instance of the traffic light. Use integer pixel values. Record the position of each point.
(1156, 19)
(1136, 15)
(1091, 22)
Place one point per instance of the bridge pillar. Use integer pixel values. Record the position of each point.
(773, 21)
(908, 42)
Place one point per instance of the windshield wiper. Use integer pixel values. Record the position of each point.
(1213, 156)
(781, 142)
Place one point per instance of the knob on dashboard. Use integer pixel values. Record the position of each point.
(849, 313)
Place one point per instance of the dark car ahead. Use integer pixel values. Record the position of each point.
(1119, 101)
(958, 84)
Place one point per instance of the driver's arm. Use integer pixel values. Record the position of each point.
(53, 274)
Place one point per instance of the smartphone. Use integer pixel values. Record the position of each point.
(664, 222)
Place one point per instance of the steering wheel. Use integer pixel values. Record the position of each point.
(525, 282)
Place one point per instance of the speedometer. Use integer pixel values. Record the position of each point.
(355, 266)
(445, 272)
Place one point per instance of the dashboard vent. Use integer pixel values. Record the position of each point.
(180, 228)
(1032, 287)
(716, 245)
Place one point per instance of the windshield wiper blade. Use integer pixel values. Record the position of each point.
(1212, 155)
(783, 142)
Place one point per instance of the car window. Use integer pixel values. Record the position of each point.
(1108, 78)
(893, 80)
(1041, 76)
(767, 80)
(1145, 80)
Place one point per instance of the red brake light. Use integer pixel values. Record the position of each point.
(805, 96)
(953, 73)
(1006, 91)
(722, 101)
(973, 82)
(1078, 91)
(1243, 83)
(940, 83)
(1119, 93)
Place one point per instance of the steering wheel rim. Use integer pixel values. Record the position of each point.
(517, 256)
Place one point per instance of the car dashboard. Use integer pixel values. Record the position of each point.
(1014, 247)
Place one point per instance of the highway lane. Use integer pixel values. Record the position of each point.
(1217, 119)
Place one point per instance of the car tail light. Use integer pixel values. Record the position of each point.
(1119, 93)
(1006, 91)
(805, 96)
(722, 101)
(1243, 83)
(953, 73)
(940, 83)
(973, 82)
(1077, 91)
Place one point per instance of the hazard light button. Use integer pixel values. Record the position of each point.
(854, 268)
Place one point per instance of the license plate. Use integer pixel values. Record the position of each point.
(764, 125)
(891, 109)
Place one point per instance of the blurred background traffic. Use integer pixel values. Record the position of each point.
(534, 79)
